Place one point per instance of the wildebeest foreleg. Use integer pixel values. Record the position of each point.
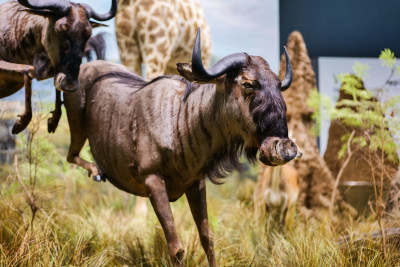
(196, 196)
(77, 143)
(13, 77)
(78, 135)
(157, 193)
(52, 122)
(26, 117)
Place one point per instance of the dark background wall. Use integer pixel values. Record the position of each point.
(343, 28)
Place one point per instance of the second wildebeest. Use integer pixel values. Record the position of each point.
(41, 39)
(161, 139)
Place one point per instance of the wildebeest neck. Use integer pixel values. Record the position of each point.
(208, 124)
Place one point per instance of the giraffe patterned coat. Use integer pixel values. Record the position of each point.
(159, 34)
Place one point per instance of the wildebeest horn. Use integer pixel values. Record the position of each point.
(223, 66)
(287, 80)
(60, 7)
(103, 17)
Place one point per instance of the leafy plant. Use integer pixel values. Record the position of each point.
(369, 117)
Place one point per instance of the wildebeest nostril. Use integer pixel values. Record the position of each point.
(287, 150)
(299, 154)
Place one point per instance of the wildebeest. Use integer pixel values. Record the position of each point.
(161, 139)
(41, 39)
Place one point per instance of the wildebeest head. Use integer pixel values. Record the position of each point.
(66, 35)
(259, 107)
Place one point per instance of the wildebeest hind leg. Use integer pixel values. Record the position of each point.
(26, 117)
(52, 122)
(196, 196)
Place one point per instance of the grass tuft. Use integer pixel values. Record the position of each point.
(83, 223)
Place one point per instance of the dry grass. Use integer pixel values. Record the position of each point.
(84, 223)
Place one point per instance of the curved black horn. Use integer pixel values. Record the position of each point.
(60, 7)
(223, 66)
(287, 80)
(103, 17)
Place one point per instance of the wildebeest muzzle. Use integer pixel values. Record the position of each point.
(62, 83)
(276, 151)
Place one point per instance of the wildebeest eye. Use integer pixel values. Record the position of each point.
(247, 85)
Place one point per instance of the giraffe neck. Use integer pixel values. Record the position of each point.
(122, 4)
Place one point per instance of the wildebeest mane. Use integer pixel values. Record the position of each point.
(137, 81)
(227, 160)
(190, 87)
(128, 79)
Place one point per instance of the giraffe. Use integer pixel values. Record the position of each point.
(159, 34)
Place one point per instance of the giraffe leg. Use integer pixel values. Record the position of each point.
(52, 122)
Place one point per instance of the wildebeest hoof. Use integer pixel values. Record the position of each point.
(178, 259)
(21, 123)
(97, 178)
(52, 122)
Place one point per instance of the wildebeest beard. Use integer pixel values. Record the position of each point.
(269, 113)
(227, 159)
(268, 109)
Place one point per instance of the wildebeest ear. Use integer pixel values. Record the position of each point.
(96, 24)
(185, 70)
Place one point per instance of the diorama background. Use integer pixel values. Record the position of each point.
(251, 27)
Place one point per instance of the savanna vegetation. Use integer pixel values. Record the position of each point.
(52, 214)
